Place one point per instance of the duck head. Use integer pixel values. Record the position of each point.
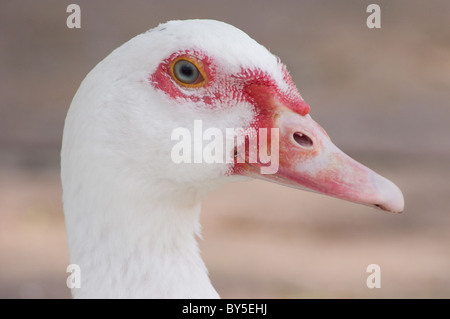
(166, 82)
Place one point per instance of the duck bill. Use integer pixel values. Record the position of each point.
(303, 156)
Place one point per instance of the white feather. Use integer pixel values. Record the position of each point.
(131, 213)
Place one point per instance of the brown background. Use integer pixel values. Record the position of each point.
(382, 95)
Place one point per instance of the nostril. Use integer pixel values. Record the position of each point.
(303, 140)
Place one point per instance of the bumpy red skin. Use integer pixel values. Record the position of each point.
(250, 85)
(322, 167)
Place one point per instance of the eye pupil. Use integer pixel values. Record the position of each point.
(186, 72)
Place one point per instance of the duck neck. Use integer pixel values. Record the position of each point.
(134, 245)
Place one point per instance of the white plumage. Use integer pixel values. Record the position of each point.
(132, 214)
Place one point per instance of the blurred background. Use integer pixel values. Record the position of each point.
(382, 95)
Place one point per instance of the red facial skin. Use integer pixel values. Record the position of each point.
(319, 167)
(211, 93)
(254, 86)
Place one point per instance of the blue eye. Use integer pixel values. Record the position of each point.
(186, 72)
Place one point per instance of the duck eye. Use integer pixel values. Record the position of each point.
(187, 73)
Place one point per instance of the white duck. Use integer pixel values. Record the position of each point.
(132, 213)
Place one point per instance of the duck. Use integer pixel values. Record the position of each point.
(131, 197)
